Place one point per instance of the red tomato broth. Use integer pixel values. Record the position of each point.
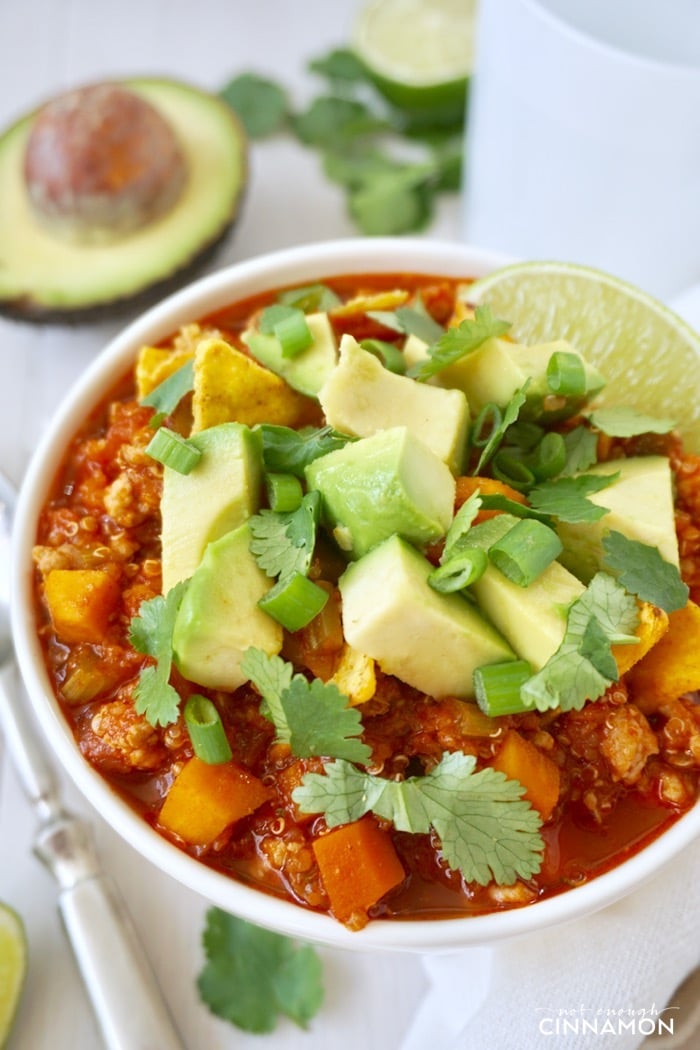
(598, 822)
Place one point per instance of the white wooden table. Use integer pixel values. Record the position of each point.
(47, 46)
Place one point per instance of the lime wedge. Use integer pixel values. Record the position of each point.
(649, 356)
(13, 967)
(419, 53)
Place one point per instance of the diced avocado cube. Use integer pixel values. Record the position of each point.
(219, 617)
(431, 641)
(640, 506)
(220, 493)
(361, 397)
(307, 371)
(384, 484)
(500, 367)
(532, 618)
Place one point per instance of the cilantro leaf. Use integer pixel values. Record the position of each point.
(461, 523)
(565, 497)
(311, 298)
(151, 633)
(287, 451)
(625, 421)
(260, 103)
(509, 417)
(410, 320)
(340, 64)
(487, 831)
(165, 397)
(392, 203)
(314, 718)
(283, 542)
(456, 342)
(331, 119)
(251, 975)
(642, 570)
(584, 667)
(581, 446)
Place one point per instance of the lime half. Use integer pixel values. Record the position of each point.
(649, 356)
(13, 967)
(419, 53)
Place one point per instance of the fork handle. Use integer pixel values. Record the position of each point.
(119, 980)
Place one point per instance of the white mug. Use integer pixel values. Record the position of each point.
(583, 136)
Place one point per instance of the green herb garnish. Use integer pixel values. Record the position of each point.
(260, 103)
(253, 975)
(287, 451)
(640, 568)
(456, 342)
(314, 718)
(486, 829)
(625, 421)
(584, 667)
(151, 632)
(283, 543)
(566, 498)
(165, 397)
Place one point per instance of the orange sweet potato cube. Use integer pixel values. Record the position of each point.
(358, 865)
(81, 603)
(521, 760)
(671, 667)
(205, 799)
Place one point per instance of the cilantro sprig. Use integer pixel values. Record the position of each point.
(642, 570)
(583, 666)
(252, 975)
(314, 718)
(283, 542)
(624, 421)
(151, 633)
(566, 498)
(390, 170)
(487, 831)
(458, 341)
(165, 397)
(288, 451)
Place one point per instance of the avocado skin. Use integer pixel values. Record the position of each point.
(170, 275)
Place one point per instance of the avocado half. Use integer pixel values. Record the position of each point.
(46, 278)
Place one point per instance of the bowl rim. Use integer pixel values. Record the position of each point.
(300, 264)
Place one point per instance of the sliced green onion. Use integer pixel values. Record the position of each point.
(524, 434)
(497, 687)
(459, 571)
(525, 551)
(294, 334)
(509, 467)
(284, 492)
(173, 450)
(487, 422)
(311, 298)
(294, 602)
(566, 374)
(549, 458)
(165, 397)
(206, 731)
(390, 355)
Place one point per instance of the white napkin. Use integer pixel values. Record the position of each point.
(616, 970)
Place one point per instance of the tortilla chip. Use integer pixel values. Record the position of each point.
(230, 387)
(154, 365)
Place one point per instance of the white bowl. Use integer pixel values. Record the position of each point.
(299, 265)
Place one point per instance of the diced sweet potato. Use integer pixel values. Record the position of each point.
(205, 799)
(229, 387)
(358, 865)
(653, 624)
(672, 667)
(521, 760)
(81, 603)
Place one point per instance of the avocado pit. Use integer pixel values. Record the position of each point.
(101, 162)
